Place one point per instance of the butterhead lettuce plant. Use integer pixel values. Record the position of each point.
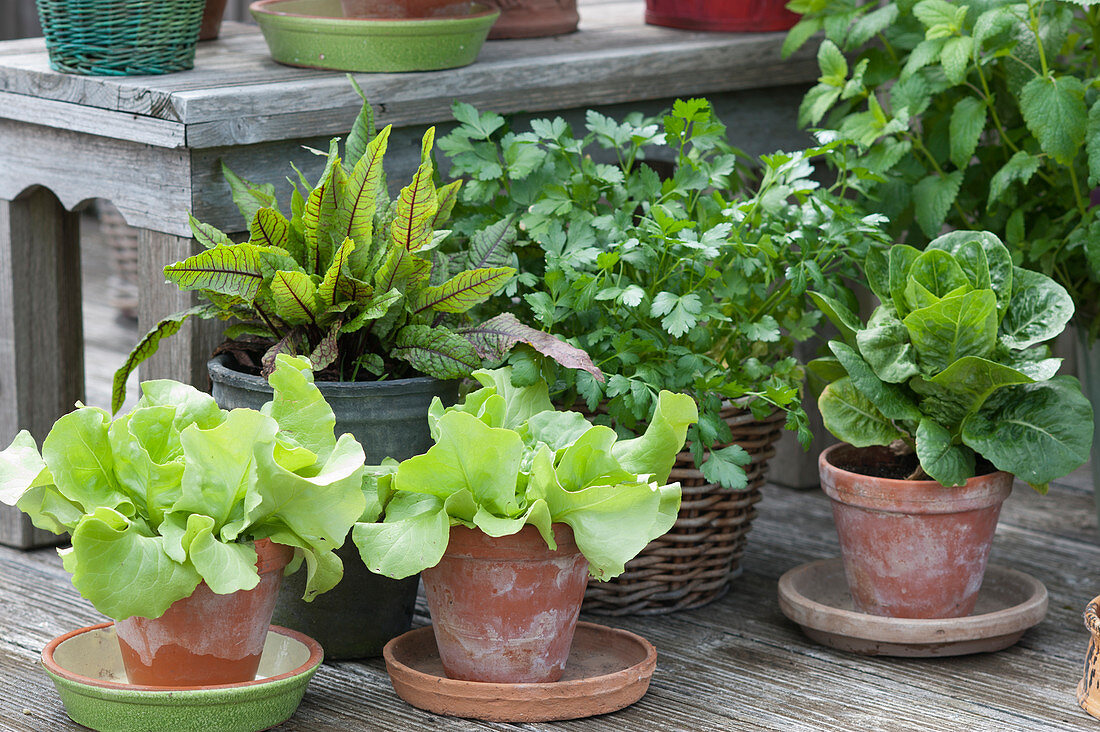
(176, 491)
(504, 458)
(953, 365)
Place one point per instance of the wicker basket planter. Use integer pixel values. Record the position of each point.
(120, 37)
(694, 563)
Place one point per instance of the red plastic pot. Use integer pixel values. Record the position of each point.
(721, 15)
(911, 548)
(504, 609)
(206, 639)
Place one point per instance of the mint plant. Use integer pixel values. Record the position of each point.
(686, 283)
(504, 458)
(952, 365)
(350, 279)
(980, 115)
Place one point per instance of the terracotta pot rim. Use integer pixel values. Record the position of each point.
(316, 655)
(895, 495)
(475, 542)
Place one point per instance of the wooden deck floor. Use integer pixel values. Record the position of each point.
(737, 664)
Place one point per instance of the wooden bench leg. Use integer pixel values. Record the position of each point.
(183, 356)
(41, 333)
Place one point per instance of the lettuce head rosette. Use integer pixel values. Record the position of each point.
(176, 491)
(504, 458)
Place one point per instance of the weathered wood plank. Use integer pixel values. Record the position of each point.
(182, 357)
(92, 120)
(149, 185)
(41, 356)
(239, 95)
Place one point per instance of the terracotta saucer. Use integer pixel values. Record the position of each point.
(608, 669)
(815, 596)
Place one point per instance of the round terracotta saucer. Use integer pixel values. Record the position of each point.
(815, 596)
(608, 669)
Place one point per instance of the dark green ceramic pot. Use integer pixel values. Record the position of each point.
(389, 419)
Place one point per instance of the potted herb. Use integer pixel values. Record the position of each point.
(687, 284)
(183, 516)
(976, 116)
(510, 511)
(351, 280)
(944, 395)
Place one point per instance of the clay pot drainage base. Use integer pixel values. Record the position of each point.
(86, 667)
(608, 669)
(815, 596)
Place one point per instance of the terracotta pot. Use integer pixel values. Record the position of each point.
(504, 609)
(206, 639)
(1088, 691)
(211, 20)
(911, 548)
(534, 18)
(721, 15)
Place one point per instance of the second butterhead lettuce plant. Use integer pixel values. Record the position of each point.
(953, 365)
(504, 458)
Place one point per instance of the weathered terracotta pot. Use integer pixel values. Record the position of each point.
(504, 609)
(206, 639)
(1088, 691)
(534, 18)
(911, 548)
(211, 20)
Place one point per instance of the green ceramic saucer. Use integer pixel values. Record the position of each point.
(315, 33)
(86, 667)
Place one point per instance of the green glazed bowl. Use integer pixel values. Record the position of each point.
(315, 33)
(86, 667)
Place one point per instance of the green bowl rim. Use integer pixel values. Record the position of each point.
(316, 656)
(261, 8)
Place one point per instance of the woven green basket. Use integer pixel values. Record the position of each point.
(121, 37)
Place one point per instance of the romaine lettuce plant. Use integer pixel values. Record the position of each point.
(689, 283)
(952, 364)
(175, 491)
(351, 279)
(504, 458)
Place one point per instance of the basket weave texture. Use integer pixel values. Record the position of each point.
(120, 37)
(694, 563)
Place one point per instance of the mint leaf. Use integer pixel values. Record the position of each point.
(967, 122)
(1092, 144)
(933, 197)
(1020, 167)
(956, 58)
(834, 67)
(1054, 110)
